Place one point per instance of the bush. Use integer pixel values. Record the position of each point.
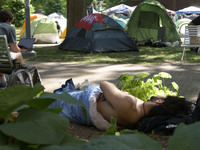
(142, 89)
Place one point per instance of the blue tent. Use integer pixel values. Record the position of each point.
(98, 33)
(121, 21)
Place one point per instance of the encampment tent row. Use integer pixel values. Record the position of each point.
(98, 33)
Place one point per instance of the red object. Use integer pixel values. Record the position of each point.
(87, 21)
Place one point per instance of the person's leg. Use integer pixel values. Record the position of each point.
(19, 58)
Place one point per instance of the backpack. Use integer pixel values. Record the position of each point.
(28, 76)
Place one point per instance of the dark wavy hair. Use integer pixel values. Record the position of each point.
(6, 16)
(172, 105)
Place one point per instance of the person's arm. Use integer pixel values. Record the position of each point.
(12, 41)
(109, 90)
(14, 48)
(117, 98)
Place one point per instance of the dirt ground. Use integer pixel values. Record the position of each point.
(88, 133)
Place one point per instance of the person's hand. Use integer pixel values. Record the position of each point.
(101, 98)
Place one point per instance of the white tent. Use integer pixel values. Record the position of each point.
(189, 10)
(181, 24)
(62, 21)
(95, 11)
(122, 8)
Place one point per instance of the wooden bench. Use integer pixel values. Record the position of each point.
(191, 38)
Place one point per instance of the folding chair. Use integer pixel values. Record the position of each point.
(191, 38)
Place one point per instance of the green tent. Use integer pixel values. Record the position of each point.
(44, 31)
(150, 21)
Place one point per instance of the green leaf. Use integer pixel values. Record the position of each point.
(60, 147)
(72, 141)
(3, 139)
(37, 127)
(64, 97)
(123, 142)
(69, 142)
(151, 87)
(143, 75)
(156, 77)
(10, 147)
(165, 75)
(185, 137)
(175, 86)
(112, 128)
(41, 104)
(13, 97)
(125, 78)
(55, 110)
(128, 131)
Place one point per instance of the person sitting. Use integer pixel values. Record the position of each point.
(106, 101)
(7, 29)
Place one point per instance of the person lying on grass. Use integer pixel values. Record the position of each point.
(106, 100)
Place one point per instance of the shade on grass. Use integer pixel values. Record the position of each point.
(147, 55)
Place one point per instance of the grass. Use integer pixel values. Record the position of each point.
(147, 55)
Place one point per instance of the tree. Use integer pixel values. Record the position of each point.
(38, 4)
(16, 7)
(50, 6)
(53, 6)
(76, 9)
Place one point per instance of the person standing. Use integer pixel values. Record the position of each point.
(58, 27)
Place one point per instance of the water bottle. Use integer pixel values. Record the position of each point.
(85, 84)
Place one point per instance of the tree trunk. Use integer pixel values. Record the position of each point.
(76, 9)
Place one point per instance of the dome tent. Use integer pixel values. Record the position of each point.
(62, 21)
(181, 24)
(32, 17)
(151, 21)
(44, 31)
(97, 33)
